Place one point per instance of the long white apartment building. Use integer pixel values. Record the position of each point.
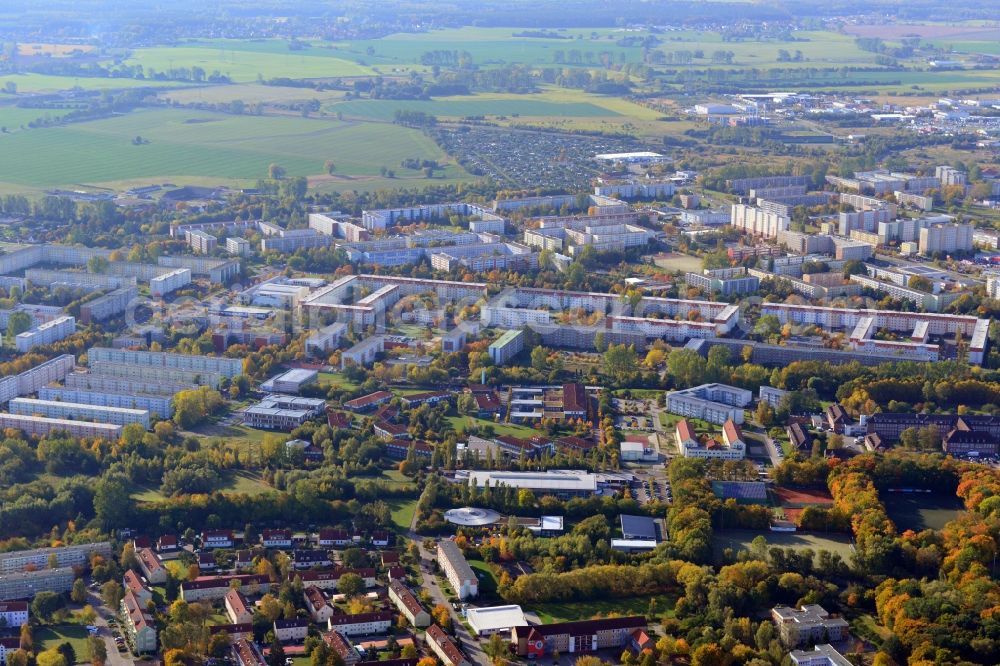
(134, 372)
(109, 305)
(88, 382)
(26, 584)
(46, 334)
(45, 277)
(931, 324)
(227, 367)
(291, 240)
(758, 222)
(76, 411)
(715, 403)
(364, 353)
(165, 284)
(327, 338)
(31, 380)
(40, 426)
(376, 220)
(161, 405)
(637, 189)
(484, 257)
(946, 238)
(65, 556)
(200, 241)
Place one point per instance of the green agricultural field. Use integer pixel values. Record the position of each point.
(244, 66)
(224, 148)
(741, 539)
(12, 118)
(34, 83)
(250, 93)
(460, 107)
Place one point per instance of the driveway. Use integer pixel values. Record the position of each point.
(115, 658)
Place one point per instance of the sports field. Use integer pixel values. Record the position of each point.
(921, 511)
(222, 148)
(802, 497)
(741, 539)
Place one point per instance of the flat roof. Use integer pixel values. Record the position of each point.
(495, 617)
(641, 527)
(574, 481)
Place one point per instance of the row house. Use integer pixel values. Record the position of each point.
(291, 631)
(361, 624)
(151, 566)
(334, 538)
(319, 608)
(408, 604)
(238, 608)
(399, 449)
(276, 538)
(330, 579)
(215, 588)
(308, 559)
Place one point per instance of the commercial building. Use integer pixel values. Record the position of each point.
(281, 412)
(445, 647)
(162, 285)
(808, 625)
(495, 619)
(408, 604)
(26, 584)
(460, 575)
(74, 411)
(506, 347)
(561, 483)
(45, 334)
(40, 426)
(715, 403)
(571, 637)
(821, 655)
(292, 381)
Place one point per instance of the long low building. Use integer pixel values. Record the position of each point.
(40, 426)
(26, 584)
(283, 412)
(715, 403)
(561, 483)
(570, 637)
(65, 556)
(457, 570)
(76, 411)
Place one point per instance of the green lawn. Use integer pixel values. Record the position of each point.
(572, 611)
(920, 511)
(226, 148)
(242, 66)
(402, 511)
(740, 540)
(459, 421)
(50, 637)
(332, 379)
(487, 580)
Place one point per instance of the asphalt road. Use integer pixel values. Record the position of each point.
(115, 658)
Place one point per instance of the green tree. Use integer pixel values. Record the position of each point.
(112, 503)
(276, 171)
(98, 265)
(45, 604)
(18, 322)
(79, 593)
(351, 584)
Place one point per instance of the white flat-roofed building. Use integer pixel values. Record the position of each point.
(161, 285)
(364, 353)
(327, 338)
(55, 409)
(807, 625)
(758, 222)
(46, 334)
(458, 572)
(14, 613)
(26, 584)
(361, 624)
(495, 619)
(821, 655)
(87, 382)
(65, 556)
(281, 412)
(40, 426)
(565, 483)
(292, 381)
(161, 405)
(506, 347)
(31, 380)
(639, 157)
(771, 395)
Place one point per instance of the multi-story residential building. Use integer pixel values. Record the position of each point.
(283, 412)
(227, 367)
(715, 403)
(291, 631)
(292, 240)
(26, 584)
(732, 446)
(238, 608)
(327, 338)
(342, 648)
(132, 583)
(571, 637)
(744, 185)
(364, 353)
(317, 605)
(918, 201)
(65, 556)
(237, 246)
(201, 242)
(211, 539)
(724, 281)
(151, 566)
(758, 222)
(55, 409)
(215, 588)
(637, 189)
(160, 405)
(408, 604)
(40, 426)
(948, 176)
(330, 579)
(246, 653)
(279, 538)
(361, 624)
(808, 625)
(14, 613)
(946, 238)
(45, 334)
(165, 284)
(109, 305)
(96, 384)
(445, 647)
(506, 347)
(140, 628)
(458, 572)
(368, 402)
